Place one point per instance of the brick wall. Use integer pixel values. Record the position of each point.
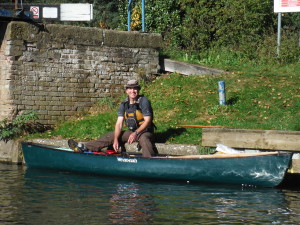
(58, 70)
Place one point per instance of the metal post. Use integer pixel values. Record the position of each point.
(143, 15)
(222, 95)
(129, 15)
(299, 38)
(278, 34)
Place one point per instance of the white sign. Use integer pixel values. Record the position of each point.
(35, 11)
(286, 5)
(50, 12)
(76, 12)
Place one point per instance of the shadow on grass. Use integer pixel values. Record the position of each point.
(297, 127)
(232, 101)
(161, 137)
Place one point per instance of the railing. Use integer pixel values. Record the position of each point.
(129, 15)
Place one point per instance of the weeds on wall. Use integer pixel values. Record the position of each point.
(24, 123)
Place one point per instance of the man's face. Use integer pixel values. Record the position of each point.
(132, 92)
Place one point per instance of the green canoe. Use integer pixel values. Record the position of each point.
(258, 169)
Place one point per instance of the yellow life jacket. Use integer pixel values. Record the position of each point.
(133, 115)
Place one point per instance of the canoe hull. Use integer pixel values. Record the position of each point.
(266, 170)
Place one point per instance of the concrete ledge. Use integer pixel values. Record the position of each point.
(188, 69)
(295, 168)
(132, 39)
(280, 140)
(11, 152)
(162, 148)
(67, 34)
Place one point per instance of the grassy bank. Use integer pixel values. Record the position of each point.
(261, 97)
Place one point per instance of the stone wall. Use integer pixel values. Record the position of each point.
(58, 70)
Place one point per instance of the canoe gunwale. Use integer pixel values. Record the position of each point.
(168, 157)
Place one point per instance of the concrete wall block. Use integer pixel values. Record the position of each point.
(54, 113)
(55, 118)
(20, 107)
(28, 102)
(67, 94)
(10, 152)
(14, 50)
(41, 117)
(36, 108)
(56, 103)
(42, 102)
(43, 112)
(68, 114)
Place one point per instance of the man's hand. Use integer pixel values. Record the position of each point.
(117, 133)
(116, 146)
(132, 138)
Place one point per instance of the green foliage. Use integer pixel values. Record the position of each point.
(105, 14)
(289, 48)
(200, 28)
(22, 124)
(161, 16)
(87, 128)
(197, 27)
(99, 120)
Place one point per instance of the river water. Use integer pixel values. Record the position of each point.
(29, 196)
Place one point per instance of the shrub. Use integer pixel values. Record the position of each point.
(22, 124)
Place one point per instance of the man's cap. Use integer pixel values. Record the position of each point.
(132, 84)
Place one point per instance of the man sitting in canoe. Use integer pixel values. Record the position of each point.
(137, 113)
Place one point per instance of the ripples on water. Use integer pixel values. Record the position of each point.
(46, 197)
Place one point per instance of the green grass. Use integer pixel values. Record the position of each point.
(258, 96)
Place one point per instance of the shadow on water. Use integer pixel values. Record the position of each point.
(49, 197)
(290, 181)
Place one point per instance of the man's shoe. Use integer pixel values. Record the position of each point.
(74, 146)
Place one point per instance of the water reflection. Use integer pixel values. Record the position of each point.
(134, 206)
(47, 197)
(292, 200)
(8, 175)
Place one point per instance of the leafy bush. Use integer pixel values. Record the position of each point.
(22, 124)
(196, 27)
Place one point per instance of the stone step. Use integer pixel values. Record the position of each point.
(169, 65)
